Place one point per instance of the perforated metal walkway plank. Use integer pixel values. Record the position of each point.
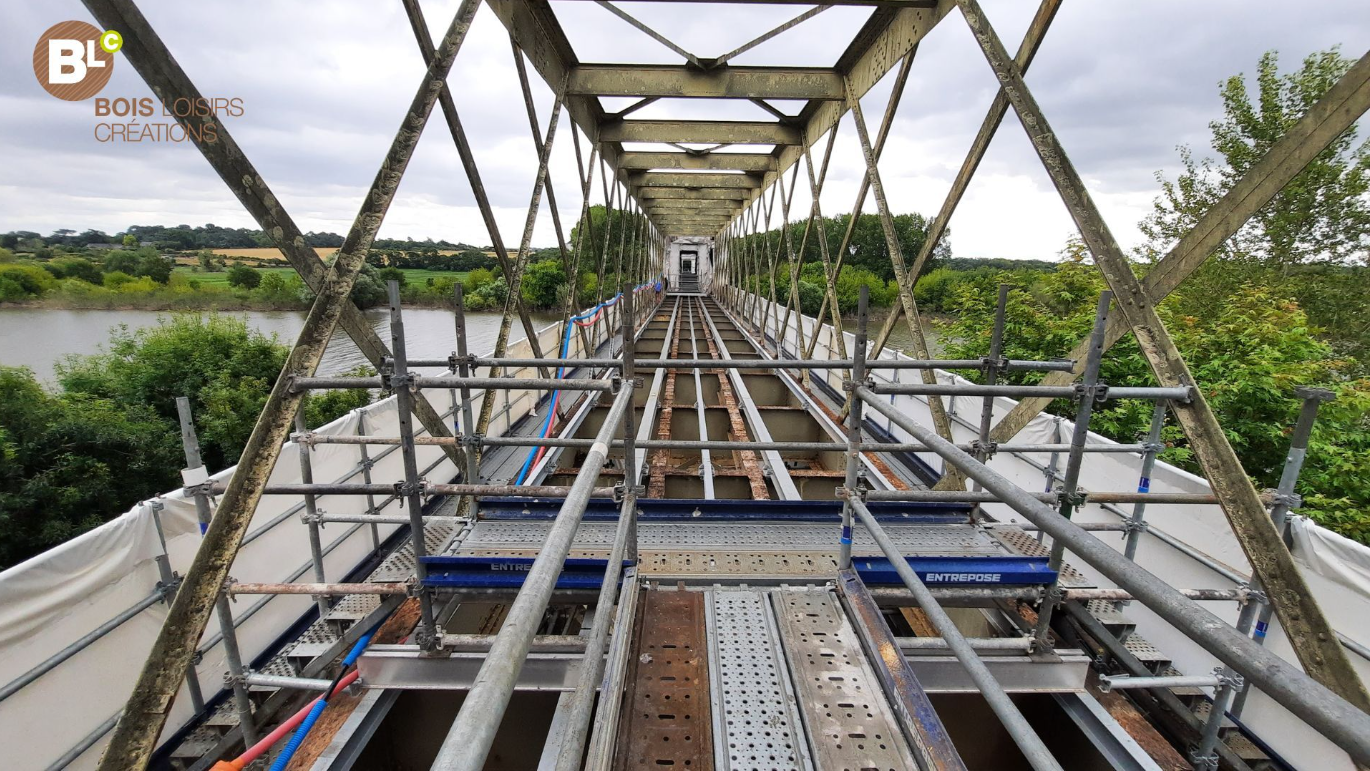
(849, 722)
(667, 721)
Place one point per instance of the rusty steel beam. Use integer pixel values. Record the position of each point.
(704, 132)
(688, 180)
(1312, 637)
(145, 714)
(648, 194)
(951, 475)
(698, 161)
(675, 81)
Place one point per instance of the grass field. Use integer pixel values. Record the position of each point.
(413, 276)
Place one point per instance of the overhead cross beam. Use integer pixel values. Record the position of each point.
(722, 132)
(667, 179)
(755, 162)
(673, 81)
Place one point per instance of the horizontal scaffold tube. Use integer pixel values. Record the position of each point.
(1334, 717)
(1021, 365)
(235, 587)
(1037, 366)
(473, 732)
(986, 496)
(1123, 682)
(1177, 394)
(487, 383)
(361, 488)
(684, 444)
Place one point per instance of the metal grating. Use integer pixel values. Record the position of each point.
(754, 710)
(666, 717)
(849, 722)
(913, 540)
(1027, 545)
(399, 566)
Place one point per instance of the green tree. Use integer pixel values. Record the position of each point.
(70, 462)
(130, 241)
(543, 283)
(386, 275)
(154, 266)
(1249, 355)
(242, 276)
(1312, 240)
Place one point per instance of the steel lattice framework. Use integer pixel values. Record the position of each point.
(712, 191)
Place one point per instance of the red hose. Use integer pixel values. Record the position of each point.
(256, 750)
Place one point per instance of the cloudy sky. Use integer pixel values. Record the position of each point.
(325, 84)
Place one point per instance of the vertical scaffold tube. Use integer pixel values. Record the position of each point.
(468, 741)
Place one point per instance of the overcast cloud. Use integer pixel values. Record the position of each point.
(325, 84)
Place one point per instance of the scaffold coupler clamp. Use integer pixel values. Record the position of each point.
(1288, 500)
(471, 440)
(615, 384)
(1131, 526)
(1228, 678)
(1076, 498)
(984, 449)
(404, 381)
(303, 438)
(1248, 593)
(167, 589)
(227, 588)
(405, 489)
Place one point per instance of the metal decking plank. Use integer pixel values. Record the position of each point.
(756, 719)
(666, 719)
(849, 723)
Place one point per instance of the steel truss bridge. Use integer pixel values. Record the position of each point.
(719, 559)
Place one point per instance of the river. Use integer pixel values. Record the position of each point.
(40, 338)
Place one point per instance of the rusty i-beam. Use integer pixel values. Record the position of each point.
(1311, 636)
(135, 735)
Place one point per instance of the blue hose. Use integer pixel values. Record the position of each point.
(298, 738)
(565, 345)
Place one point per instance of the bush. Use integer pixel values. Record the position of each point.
(32, 280)
(386, 275)
(115, 279)
(76, 267)
(1249, 353)
(477, 279)
(244, 277)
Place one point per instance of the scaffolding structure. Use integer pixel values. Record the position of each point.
(730, 197)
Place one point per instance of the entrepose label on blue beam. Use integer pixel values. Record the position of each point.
(491, 572)
(959, 571)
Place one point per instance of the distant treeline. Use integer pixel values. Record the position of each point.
(188, 238)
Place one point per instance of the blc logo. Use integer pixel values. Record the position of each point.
(73, 60)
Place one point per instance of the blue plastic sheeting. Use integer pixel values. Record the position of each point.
(959, 571)
(491, 572)
(701, 510)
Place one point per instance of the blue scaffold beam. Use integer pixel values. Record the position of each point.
(959, 571)
(502, 572)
